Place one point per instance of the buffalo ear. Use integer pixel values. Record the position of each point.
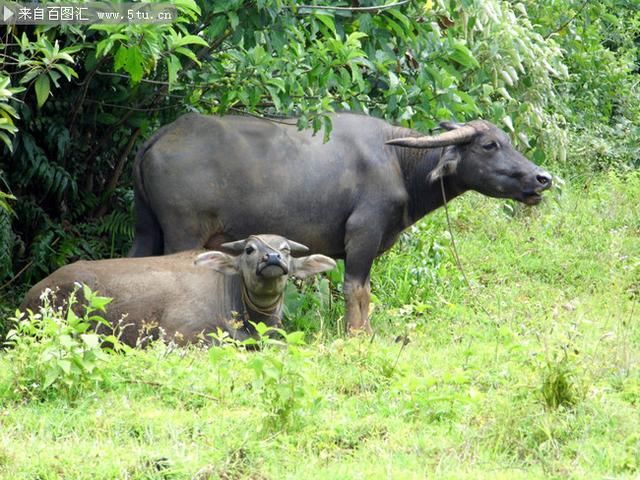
(447, 165)
(312, 264)
(218, 261)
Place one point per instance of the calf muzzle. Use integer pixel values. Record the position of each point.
(272, 265)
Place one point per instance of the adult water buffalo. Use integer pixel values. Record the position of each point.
(173, 295)
(205, 180)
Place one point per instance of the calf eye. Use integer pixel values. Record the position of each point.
(249, 250)
(490, 146)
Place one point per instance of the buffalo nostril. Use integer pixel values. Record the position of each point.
(544, 179)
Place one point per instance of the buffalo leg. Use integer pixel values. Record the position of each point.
(357, 296)
(148, 237)
(188, 237)
(361, 248)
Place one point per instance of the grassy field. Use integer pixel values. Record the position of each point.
(531, 372)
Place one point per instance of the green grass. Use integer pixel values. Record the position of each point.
(533, 373)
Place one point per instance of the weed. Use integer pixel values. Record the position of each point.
(280, 381)
(558, 385)
(54, 350)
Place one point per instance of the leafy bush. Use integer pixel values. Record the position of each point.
(600, 96)
(54, 352)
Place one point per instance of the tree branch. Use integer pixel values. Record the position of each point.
(562, 26)
(377, 9)
(117, 173)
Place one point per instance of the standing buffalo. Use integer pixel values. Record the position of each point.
(205, 180)
(185, 301)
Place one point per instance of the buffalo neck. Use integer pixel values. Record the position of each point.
(425, 195)
(269, 314)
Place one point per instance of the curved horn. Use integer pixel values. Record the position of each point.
(456, 136)
(297, 247)
(235, 247)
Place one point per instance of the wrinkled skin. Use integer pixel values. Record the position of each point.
(176, 295)
(204, 180)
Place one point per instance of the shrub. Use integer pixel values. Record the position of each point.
(279, 378)
(55, 352)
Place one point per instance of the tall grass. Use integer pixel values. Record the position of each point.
(533, 373)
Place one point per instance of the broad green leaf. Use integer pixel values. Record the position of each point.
(68, 72)
(187, 6)
(91, 340)
(261, 328)
(120, 58)
(50, 377)
(65, 56)
(191, 40)
(54, 76)
(31, 74)
(173, 67)
(463, 56)
(131, 60)
(42, 87)
(73, 49)
(295, 338)
(277, 82)
(8, 111)
(327, 21)
(8, 142)
(65, 366)
(134, 65)
(275, 97)
(187, 53)
(394, 81)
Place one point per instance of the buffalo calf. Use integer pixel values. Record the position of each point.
(175, 295)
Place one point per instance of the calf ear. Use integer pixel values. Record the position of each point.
(218, 261)
(306, 266)
(447, 164)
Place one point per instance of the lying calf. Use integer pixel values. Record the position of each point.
(173, 293)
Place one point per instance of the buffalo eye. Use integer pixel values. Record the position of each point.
(249, 250)
(490, 146)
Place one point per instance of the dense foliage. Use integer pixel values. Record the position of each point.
(75, 102)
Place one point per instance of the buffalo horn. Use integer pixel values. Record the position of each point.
(234, 247)
(453, 137)
(297, 247)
